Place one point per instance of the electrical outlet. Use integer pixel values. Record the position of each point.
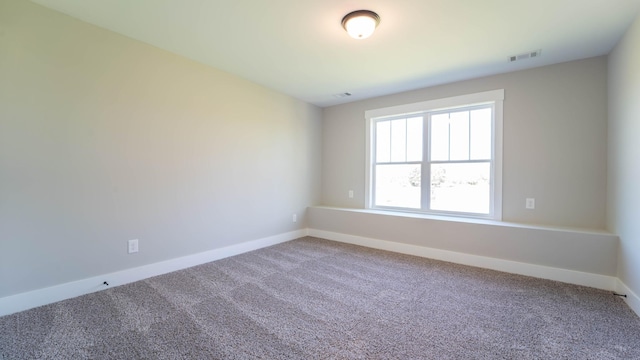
(133, 246)
(530, 203)
(350, 194)
(295, 217)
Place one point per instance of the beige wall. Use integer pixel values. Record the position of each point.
(105, 139)
(623, 208)
(555, 126)
(555, 150)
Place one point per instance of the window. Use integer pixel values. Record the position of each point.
(442, 156)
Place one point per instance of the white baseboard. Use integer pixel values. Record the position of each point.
(632, 299)
(35, 298)
(539, 271)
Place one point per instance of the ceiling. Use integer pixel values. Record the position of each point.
(299, 48)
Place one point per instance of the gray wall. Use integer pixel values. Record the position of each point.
(105, 139)
(623, 208)
(555, 142)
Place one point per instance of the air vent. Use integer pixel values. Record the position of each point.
(343, 95)
(527, 55)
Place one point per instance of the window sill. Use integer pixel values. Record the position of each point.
(467, 220)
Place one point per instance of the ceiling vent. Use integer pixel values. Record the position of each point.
(343, 95)
(527, 55)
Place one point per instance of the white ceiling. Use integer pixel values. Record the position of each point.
(298, 47)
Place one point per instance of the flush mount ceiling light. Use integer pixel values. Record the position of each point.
(360, 24)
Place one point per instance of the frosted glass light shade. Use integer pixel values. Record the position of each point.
(360, 24)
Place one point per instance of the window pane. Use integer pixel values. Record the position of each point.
(440, 137)
(459, 129)
(398, 185)
(461, 187)
(481, 134)
(399, 140)
(383, 141)
(414, 139)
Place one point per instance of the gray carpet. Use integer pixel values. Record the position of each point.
(316, 299)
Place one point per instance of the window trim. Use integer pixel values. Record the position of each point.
(495, 97)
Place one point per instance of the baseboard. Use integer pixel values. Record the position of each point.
(632, 299)
(544, 272)
(31, 299)
(35, 298)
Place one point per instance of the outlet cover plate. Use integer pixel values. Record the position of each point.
(530, 203)
(133, 246)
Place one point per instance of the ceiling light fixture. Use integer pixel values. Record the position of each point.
(360, 24)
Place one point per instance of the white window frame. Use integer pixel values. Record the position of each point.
(493, 97)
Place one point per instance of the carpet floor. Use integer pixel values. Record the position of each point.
(317, 299)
